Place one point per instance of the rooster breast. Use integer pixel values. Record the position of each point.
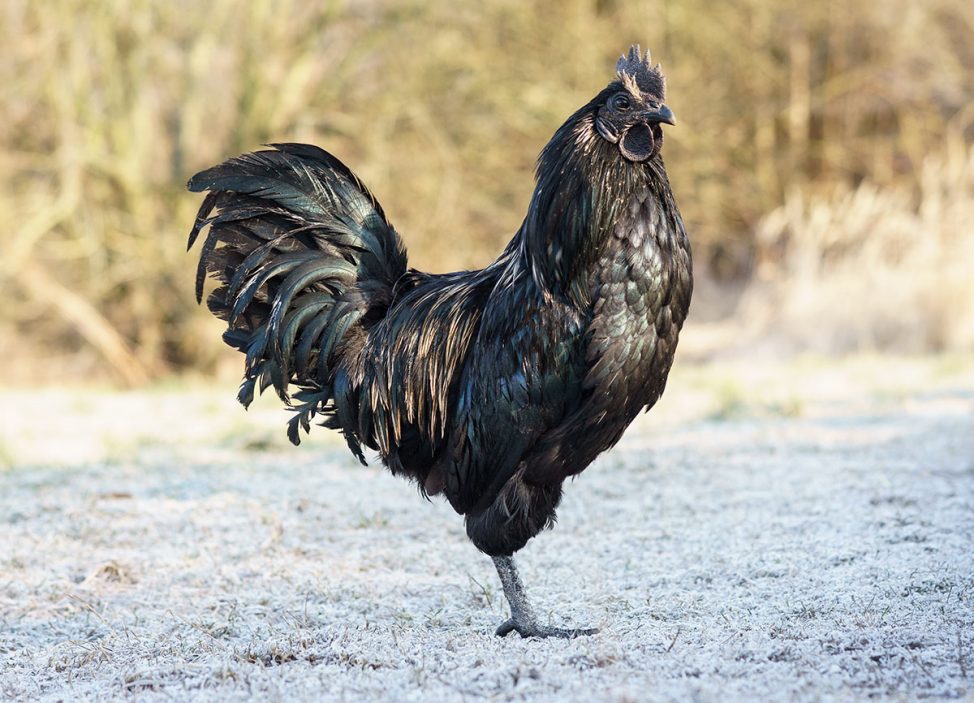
(641, 286)
(643, 289)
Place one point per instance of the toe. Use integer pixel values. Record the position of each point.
(565, 633)
(506, 628)
(585, 632)
(532, 629)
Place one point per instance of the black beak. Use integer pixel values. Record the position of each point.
(661, 114)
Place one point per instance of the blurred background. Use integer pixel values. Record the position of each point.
(823, 157)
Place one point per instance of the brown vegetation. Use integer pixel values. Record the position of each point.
(819, 146)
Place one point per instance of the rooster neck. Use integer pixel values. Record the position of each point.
(585, 190)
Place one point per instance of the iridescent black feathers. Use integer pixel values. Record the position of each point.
(304, 254)
(491, 386)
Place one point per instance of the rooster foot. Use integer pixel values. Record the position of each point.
(530, 628)
(523, 620)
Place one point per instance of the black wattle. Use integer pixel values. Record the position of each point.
(637, 143)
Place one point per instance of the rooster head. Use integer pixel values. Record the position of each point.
(630, 110)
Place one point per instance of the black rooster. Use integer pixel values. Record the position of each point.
(490, 387)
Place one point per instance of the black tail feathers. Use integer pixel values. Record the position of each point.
(306, 261)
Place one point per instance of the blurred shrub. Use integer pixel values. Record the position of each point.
(106, 107)
(869, 268)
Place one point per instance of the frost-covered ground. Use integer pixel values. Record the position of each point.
(764, 540)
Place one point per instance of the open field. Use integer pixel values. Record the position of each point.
(792, 532)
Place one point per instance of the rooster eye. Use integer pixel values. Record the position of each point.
(621, 102)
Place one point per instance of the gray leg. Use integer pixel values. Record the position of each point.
(522, 618)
